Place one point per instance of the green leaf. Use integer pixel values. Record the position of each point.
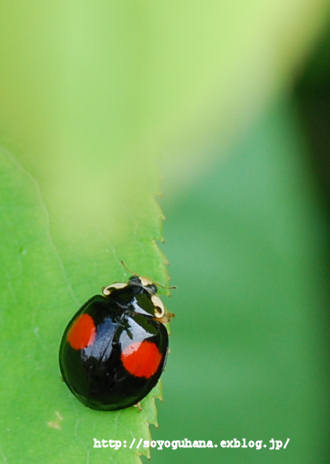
(41, 421)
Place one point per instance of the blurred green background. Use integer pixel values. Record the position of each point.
(247, 246)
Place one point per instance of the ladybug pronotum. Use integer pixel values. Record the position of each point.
(114, 349)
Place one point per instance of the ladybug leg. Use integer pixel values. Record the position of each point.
(138, 405)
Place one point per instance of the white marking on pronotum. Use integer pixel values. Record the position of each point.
(145, 281)
(116, 286)
(159, 306)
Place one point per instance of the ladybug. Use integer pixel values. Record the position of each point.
(114, 349)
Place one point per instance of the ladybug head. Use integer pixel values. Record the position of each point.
(144, 282)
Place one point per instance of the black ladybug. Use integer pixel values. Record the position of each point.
(114, 349)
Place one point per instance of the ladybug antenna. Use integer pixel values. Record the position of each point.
(167, 287)
(122, 262)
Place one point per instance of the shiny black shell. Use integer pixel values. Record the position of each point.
(98, 374)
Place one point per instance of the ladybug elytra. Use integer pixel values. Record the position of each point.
(114, 349)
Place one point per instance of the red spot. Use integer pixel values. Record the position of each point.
(141, 359)
(82, 332)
